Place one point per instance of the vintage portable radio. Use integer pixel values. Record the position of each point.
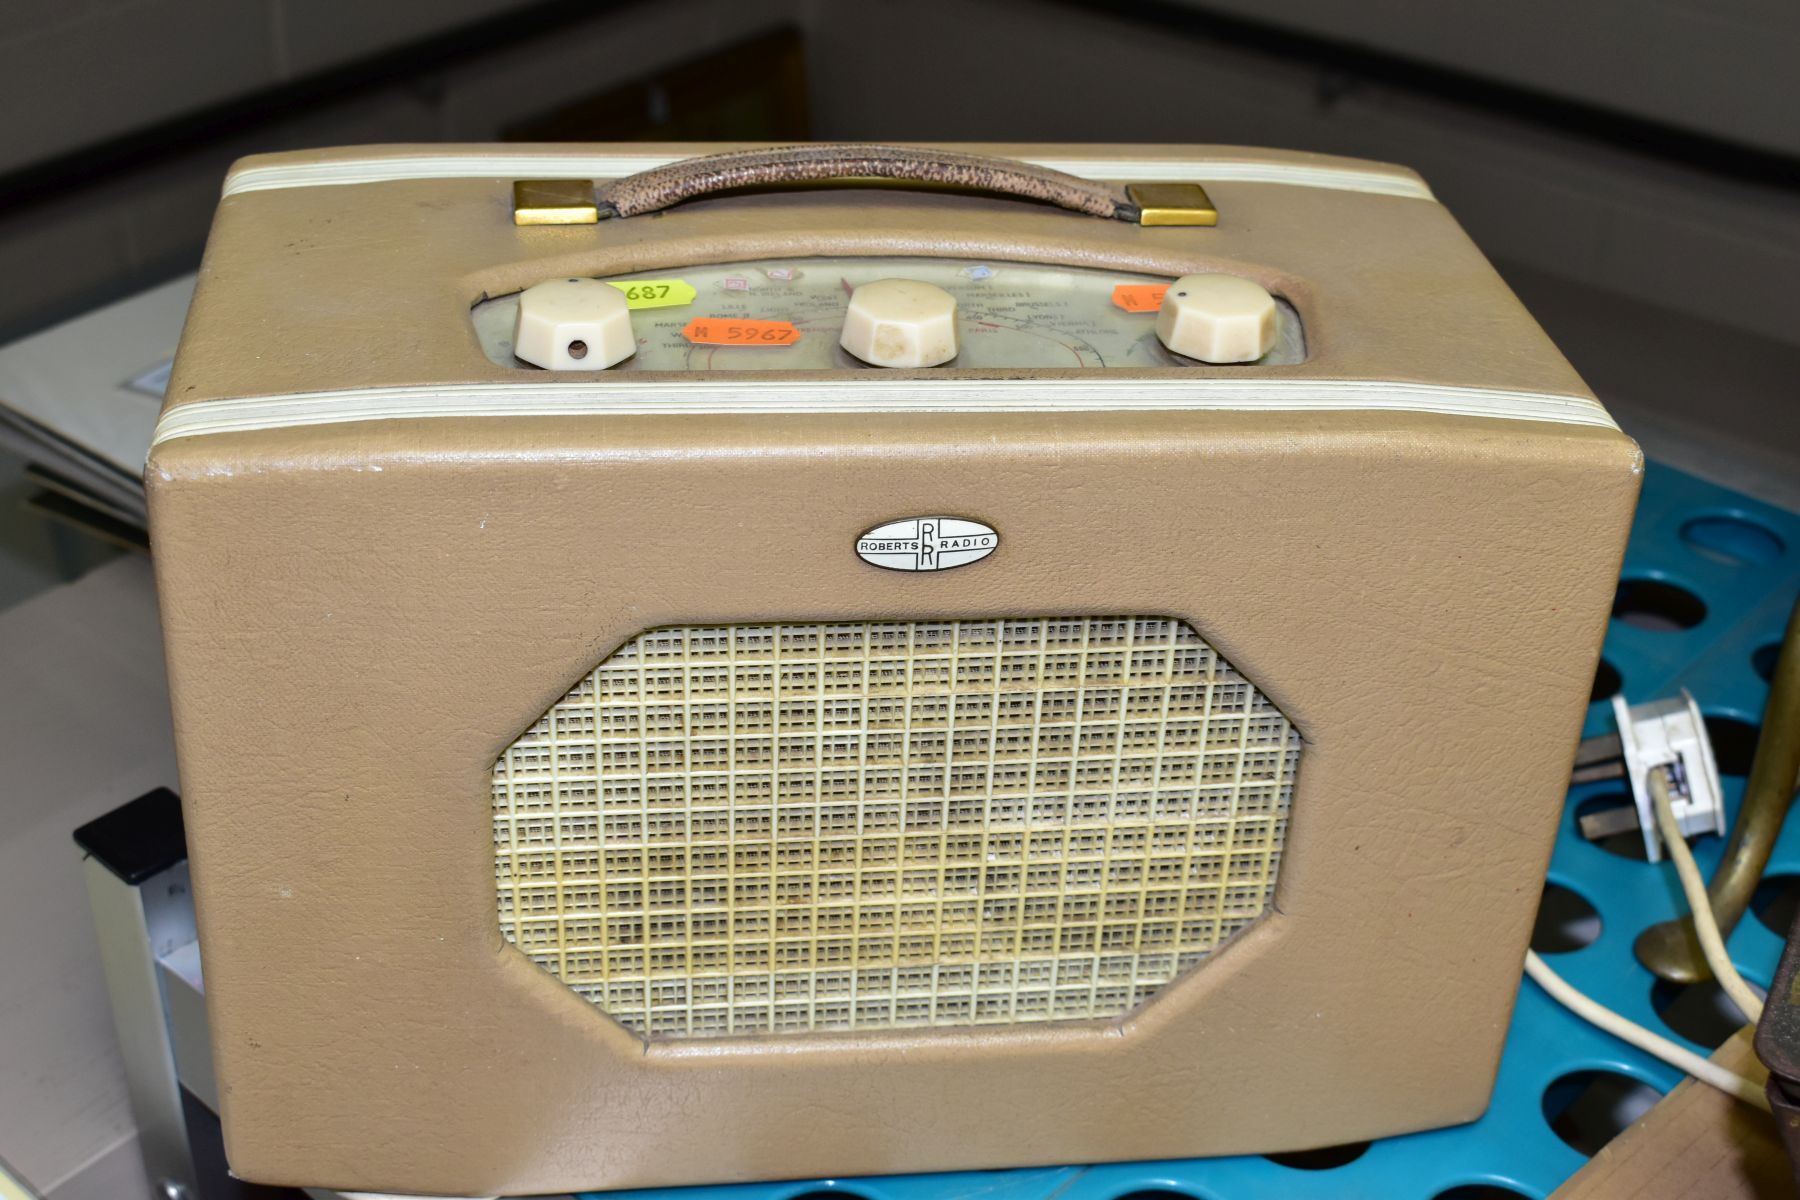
(706, 668)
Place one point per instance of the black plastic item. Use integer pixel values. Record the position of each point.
(138, 840)
(1778, 1045)
(214, 1177)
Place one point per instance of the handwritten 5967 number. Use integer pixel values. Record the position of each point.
(720, 332)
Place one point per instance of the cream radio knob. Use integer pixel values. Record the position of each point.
(1217, 318)
(574, 325)
(900, 323)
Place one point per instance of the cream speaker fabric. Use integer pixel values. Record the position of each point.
(781, 828)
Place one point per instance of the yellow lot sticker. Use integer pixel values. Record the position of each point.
(655, 293)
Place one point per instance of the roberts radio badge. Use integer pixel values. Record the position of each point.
(927, 544)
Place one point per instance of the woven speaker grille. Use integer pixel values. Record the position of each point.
(784, 828)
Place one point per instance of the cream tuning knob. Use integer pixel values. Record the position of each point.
(900, 323)
(574, 325)
(1217, 318)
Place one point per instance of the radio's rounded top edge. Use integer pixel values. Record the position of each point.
(384, 282)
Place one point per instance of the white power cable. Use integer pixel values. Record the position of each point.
(1679, 1057)
(1712, 945)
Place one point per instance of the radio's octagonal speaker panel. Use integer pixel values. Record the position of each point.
(784, 828)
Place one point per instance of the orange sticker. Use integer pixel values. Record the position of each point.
(1139, 297)
(739, 331)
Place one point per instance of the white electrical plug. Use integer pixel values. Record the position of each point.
(1670, 733)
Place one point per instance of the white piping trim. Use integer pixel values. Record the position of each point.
(626, 397)
(528, 165)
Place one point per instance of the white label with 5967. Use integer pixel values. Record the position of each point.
(927, 543)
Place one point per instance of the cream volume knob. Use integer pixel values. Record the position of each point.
(1217, 318)
(574, 325)
(900, 323)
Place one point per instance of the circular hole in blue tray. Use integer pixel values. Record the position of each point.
(1732, 538)
(1629, 844)
(1322, 1159)
(1565, 921)
(1154, 1194)
(826, 1193)
(1762, 660)
(1776, 901)
(1657, 605)
(1733, 744)
(1606, 682)
(1480, 1191)
(1700, 1012)
(1587, 1109)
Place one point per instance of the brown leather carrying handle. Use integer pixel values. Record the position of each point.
(658, 188)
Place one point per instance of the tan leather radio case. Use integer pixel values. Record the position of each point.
(382, 556)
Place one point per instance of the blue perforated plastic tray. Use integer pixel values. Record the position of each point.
(1723, 571)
